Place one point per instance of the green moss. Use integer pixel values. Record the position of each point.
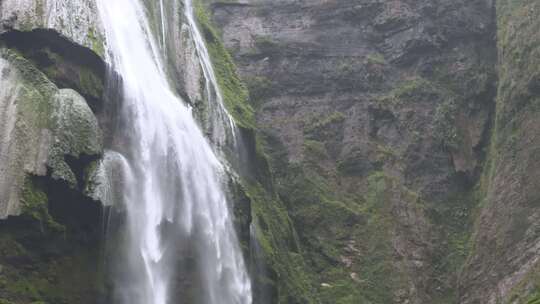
(385, 154)
(453, 221)
(97, 42)
(331, 225)
(354, 163)
(90, 84)
(316, 127)
(527, 291)
(58, 266)
(379, 275)
(411, 88)
(34, 200)
(315, 149)
(64, 279)
(39, 9)
(371, 276)
(32, 78)
(235, 94)
(517, 105)
(85, 80)
(266, 45)
(275, 232)
(10, 248)
(446, 131)
(25, 288)
(519, 49)
(77, 133)
(415, 89)
(35, 205)
(259, 88)
(89, 177)
(345, 69)
(342, 291)
(375, 58)
(534, 301)
(377, 185)
(280, 246)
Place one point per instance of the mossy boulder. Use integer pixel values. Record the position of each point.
(46, 130)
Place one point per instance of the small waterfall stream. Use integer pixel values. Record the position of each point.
(172, 189)
(218, 113)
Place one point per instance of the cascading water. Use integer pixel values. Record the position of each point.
(163, 35)
(172, 191)
(218, 112)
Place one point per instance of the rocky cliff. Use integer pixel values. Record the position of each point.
(58, 106)
(401, 135)
(387, 147)
(52, 81)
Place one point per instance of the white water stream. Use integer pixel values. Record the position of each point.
(173, 186)
(218, 113)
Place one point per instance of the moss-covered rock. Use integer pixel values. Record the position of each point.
(506, 228)
(66, 64)
(233, 90)
(78, 21)
(377, 119)
(76, 134)
(44, 127)
(49, 266)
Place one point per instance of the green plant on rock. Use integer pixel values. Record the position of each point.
(375, 58)
(315, 126)
(35, 205)
(279, 244)
(412, 90)
(315, 149)
(535, 300)
(96, 41)
(445, 124)
(378, 276)
(259, 88)
(527, 291)
(235, 95)
(266, 45)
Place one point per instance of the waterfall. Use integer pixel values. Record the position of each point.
(174, 201)
(218, 113)
(163, 39)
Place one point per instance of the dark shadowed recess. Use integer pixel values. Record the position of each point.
(68, 64)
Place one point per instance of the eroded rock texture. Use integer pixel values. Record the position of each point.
(76, 20)
(403, 162)
(504, 264)
(51, 87)
(401, 137)
(42, 126)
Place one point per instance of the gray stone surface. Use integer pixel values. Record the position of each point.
(41, 125)
(352, 90)
(76, 20)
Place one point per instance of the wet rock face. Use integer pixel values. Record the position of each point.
(377, 114)
(504, 267)
(50, 140)
(409, 172)
(326, 56)
(76, 20)
(42, 125)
